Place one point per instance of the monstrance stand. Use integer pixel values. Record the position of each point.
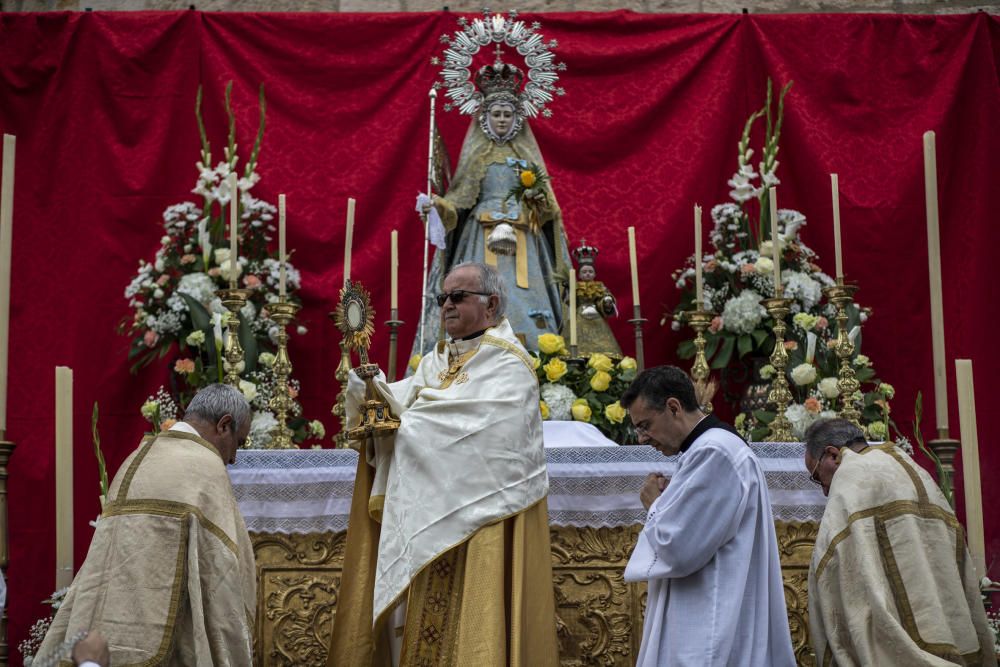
(354, 317)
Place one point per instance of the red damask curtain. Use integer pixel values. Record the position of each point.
(102, 106)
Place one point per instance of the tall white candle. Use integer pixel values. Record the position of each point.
(6, 239)
(698, 290)
(348, 239)
(970, 464)
(937, 300)
(775, 241)
(634, 264)
(234, 209)
(394, 270)
(282, 251)
(572, 307)
(64, 476)
(837, 250)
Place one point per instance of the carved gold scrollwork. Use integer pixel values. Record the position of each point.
(590, 545)
(300, 610)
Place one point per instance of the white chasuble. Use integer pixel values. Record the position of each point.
(170, 577)
(891, 581)
(709, 553)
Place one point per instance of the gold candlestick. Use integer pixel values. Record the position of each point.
(700, 321)
(281, 400)
(393, 323)
(637, 321)
(841, 296)
(339, 408)
(232, 352)
(780, 395)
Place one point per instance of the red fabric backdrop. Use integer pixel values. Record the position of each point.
(102, 106)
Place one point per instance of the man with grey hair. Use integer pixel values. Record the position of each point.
(891, 581)
(170, 577)
(448, 559)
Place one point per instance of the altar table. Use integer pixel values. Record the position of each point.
(296, 505)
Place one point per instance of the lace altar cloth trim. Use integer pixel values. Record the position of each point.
(309, 491)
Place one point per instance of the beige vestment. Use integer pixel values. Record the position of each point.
(891, 580)
(169, 578)
(450, 515)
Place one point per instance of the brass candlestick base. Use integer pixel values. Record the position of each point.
(281, 400)
(339, 408)
(232, 352)
(841, 296)
(393, 323)
(945, 449)
(637, 321)
(780, 395)
(700, 321)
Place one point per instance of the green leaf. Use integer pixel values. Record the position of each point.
(864, 374)
(744, 344)
(765, 416)
(759, 336)
(725, 353)
(249, 343)
(713, 344)
(200, 317)
(686, 349)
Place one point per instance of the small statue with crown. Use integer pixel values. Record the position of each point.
(499, 207)
(594, 305)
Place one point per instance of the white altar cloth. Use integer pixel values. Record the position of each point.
(309, 491)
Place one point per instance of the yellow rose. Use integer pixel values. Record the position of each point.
(615, 413)
(544, 408)
(535, 362)
(600, 362)
(581, 410)
(555, 369)
(601, 381)
(627, 364)
(527, 178)
(550, 343)
(414, 362)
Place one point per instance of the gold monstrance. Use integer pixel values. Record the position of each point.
(354, 317)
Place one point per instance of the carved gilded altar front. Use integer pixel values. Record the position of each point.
(599, 616)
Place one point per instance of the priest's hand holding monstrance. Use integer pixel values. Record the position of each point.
(354, 316)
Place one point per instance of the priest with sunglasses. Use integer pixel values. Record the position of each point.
(448, 559)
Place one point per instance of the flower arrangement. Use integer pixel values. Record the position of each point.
(175, 310)
(531, 180)
(738, 275)
(587, 390)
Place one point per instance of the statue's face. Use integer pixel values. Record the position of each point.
(587, 272)
(501, 119)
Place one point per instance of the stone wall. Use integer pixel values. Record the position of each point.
(712, 6)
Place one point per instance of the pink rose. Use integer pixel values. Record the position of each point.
(812, 405)
(150, 337)
(214, 271)
(163, 280)
(747, 269)
(716, 324)
(188, 259)
(711, 265)
(251, 281)
(791, 345)
(184, 366)
(822, 323)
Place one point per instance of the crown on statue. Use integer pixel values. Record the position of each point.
(499, 79)
(585, 254)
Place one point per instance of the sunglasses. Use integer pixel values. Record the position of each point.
(456, 296)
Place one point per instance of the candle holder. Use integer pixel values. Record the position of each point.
(637, 321)
(6, 450)
(945, 449)
(339, 408)
(393, 323)
(841, 296)
(700, 321)
(232, 352)
(780, 395)
(282, 312)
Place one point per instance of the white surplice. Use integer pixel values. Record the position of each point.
(709, 553)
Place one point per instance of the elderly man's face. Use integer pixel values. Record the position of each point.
(472, 313)
(823, 468)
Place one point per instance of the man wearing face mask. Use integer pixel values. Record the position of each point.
(891, 581)
(448, 561)
(522, 238)
(170, 577)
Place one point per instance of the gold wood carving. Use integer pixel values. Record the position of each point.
(598, 615)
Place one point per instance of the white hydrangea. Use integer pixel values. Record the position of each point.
(743, 313)
(560, 399)
(199, 286)
(828, 387)
(261, 428)
(802, 288)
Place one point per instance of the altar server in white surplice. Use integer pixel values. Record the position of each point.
(708, 549)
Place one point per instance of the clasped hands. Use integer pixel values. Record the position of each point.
(654, 485)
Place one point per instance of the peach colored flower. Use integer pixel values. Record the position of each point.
(832, 343)
(716, 324)
(184, 366)
(251, 281)
(167, 424)
(711, 265)
(215, 271)
(150, 337)
(791, 345)
(188, 259)
(163, 280)
(747, 269)
(822, 323)
(812, 404)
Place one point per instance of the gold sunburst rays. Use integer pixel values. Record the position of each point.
(354, 316)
